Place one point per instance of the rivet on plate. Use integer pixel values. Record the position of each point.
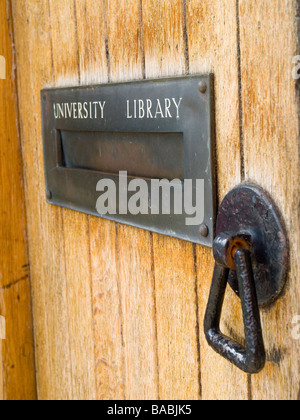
(204, 231)
(202, 86)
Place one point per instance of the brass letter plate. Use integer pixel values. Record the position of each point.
(139, 153)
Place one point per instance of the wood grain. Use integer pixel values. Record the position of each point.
(174, 264)
(271, 153)
(118, 312)
(136, 288)
(124, 32)
(73, 279)
(134, 248)
(212, 44)
(91, 36)
(45, 224)
(109, 356)
(163, 28)
(75, 225)
(109, 353)
(17, 377)
(1, 374)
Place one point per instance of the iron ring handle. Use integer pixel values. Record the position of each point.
(251, 358)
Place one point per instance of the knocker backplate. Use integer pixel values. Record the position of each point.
(248, 208)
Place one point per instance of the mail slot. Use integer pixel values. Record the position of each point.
(154, 130)
(146, 155)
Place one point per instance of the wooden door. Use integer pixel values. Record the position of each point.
(118, 312)
(17, 371)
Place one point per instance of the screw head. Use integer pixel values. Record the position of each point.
(202, 86)
(203, 230)
(49, 195)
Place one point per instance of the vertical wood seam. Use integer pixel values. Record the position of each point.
(120, 311)
(185, 38)
(298, 81)
(92, 299)
(107, 54)
(1, 341)
(155, 314)
(241, 129)
(142, 39)
(39, 189)
(51, 40)
(238, 43)
(61, 213)
(150, 233)
(17, 110)
(297, 88)
(197, 321)
(59, 210)
(87, 217)
(77, 41)
(2, 368)
(197, 326)
(250, 393)
(117, 261)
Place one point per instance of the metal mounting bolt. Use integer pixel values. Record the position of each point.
(203, 230)
(202, 86)
(49, 195)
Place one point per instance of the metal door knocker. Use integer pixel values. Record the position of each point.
(251, 253)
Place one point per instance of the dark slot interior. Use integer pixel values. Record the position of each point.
(144, 155)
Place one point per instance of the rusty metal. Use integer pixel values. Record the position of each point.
(226, 245)
(251, 358)
(250, 211)
(251, 253)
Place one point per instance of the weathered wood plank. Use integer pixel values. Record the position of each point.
(163, 27)
(178, 351)
(271, 149)
(134, 254)
(174, 265)
(80, 307)
(91, 35)
(136, 287)
(93, 60)
(18, 350)
(212, 44)
(1, 374)
(17, 368)
(45, 224)
(109, 353)
(125, 42)
(65, 54)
